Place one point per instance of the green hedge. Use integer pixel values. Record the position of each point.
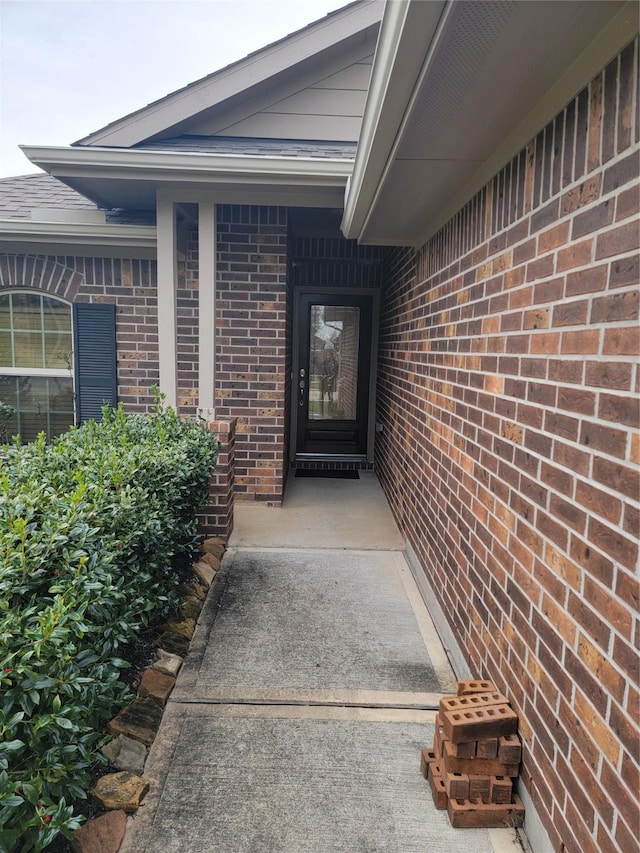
(89, 527)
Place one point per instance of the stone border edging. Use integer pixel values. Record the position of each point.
(135, 727)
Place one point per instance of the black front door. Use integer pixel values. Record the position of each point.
(331, 390)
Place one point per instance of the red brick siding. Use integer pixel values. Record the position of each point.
(128, 283)
(334, 262)
(251, 344)
(217, 517)
(508, 394)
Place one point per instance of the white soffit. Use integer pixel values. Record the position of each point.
(492, 74)
(256, 72)
(125, 178)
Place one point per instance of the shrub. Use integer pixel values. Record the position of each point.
(89, 527)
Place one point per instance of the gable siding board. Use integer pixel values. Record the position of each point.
(324, 102)
(95, 359)
(355, 77)
(349, 32)
(296, 127)
(345, 74)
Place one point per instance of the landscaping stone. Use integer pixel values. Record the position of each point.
(125, 753)
(167, 663)
(214, 545)
(175, 644)
(139, 720)
(120, 791)
(103, 834)
(203, 572)
(191, 607)
(111, 750)
(132, 755)
(199, 590)
(156, 685)
(183, 627)
(213, 561)
(193, 588)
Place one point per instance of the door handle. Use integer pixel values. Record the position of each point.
(301, 386)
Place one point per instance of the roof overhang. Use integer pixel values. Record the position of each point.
(77, 238)
(458, 88)
(132, 179)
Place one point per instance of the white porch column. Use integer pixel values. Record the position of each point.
(206, 308)
(167, 285)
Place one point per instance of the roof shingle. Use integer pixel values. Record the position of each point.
(252, 146)
(20, 195)
(24, 193)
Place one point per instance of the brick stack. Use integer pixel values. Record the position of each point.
(476, 755)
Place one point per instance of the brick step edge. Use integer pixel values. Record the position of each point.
(479, 723)
(466, 688)
(474, 814)
(438, 787)
(474, 700)
(476, 766)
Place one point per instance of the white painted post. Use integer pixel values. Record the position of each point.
(167, 253)
(206, 308)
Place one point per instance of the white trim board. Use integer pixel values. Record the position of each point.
(79, 233)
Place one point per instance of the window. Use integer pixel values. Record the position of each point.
(36, 364)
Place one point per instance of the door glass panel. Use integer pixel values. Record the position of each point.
(333, 362)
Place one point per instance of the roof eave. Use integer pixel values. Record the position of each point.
(120, 163)
(24, 230)
(131, 178)
(404, 31)
(369, 217)
(69, 238)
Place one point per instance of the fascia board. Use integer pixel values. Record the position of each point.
(187, 166)
(407, 26)
(238, 77)
(80, 234)
(284, 196)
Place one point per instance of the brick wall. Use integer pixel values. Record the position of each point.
(335, 262)
(216, 518)
(509, 398)
(128, 283)
(251, 344)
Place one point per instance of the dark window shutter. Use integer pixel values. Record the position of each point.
(94, 334)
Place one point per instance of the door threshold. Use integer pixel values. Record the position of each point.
(330, 457)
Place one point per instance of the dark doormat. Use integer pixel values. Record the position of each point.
(333, 475)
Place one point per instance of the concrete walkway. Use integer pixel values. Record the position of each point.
(310, 687)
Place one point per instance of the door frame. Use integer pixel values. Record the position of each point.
(373, 371)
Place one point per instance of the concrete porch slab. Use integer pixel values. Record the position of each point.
(318, 513)
(260, 780)
(298, 718)
(312, 625)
